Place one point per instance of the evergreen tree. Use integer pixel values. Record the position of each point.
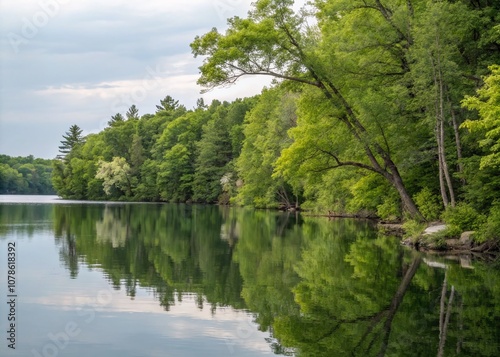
(132, 113)
(116, 119)
(167, 104)
(72, 138)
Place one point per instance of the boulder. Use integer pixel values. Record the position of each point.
(434, 229)
(466, 238)
(453, 243)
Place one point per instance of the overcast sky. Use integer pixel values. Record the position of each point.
(65, 62)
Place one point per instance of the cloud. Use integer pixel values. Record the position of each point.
(68, 62)
(108, 315)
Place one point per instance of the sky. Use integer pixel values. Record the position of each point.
(65, 62)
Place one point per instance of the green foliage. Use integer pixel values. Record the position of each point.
(490, 230)
(74, 177)
(147, 189)
(329, 192)
(372, 194)
(390, 209)
(217, 149)
(11, 180)
(265, 136)
(348, 127)
(72, 138)
(132, 113)
(413, 229)
(115, 174)
(116, 120)
(487, 104)
(438, 239)
(320, 287)
(175, 175)
(25, 175)
(463, 217)
(483, 185)
(348, 118)
(428, 204)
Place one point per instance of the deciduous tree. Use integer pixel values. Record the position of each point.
(275, 41)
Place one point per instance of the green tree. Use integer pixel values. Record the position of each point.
(175, 176)
(136, 153)
(118, 140)
(11, 180)
(25, 175)
(168, 104)
(115, 174)
(148, 188)
(440, 74)
(72, 138)
(216, 149)
(487, 104)
(275, 41)
(265, 130)
(132, 113)
(116, 120)
(175, 153)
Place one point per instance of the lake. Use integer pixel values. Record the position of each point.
(136, 279)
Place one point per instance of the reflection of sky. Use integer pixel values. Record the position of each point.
(109, 322)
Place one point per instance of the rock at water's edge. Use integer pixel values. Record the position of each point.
(466, 238)
(434, 229)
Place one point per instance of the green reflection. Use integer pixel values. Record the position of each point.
(363, 295)
(321, 288)
(173, 249)
(24, 219)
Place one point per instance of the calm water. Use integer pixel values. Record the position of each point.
(95, 279)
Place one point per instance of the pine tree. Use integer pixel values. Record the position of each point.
(168, 104)
(116, 119)
(132, 113)
(72, 138)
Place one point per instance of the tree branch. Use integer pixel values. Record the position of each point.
(340, 163)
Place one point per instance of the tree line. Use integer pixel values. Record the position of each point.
(25, 175)
(380, 107)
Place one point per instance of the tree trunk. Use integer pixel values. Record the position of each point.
(444, 173)
(441, 138)
(354, 125)
(442, 185)
(396, 301)
(396, 180)
(458, 142)
(390, 171)
(444, 320)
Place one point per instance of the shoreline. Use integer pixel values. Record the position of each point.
(426, 242)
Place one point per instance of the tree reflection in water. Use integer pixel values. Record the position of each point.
(322, 288)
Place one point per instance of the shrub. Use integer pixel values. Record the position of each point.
(413, 229)
(463, 217)
(491, 228)
(428, 204)
(389, 209)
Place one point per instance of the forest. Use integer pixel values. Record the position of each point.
(25, 175)
(379, 108)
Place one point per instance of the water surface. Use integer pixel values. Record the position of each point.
(118, 279)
